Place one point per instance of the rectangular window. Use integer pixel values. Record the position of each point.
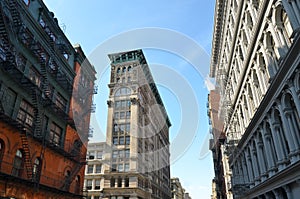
(117, 105)
(25, 114)
(116, 115)
(114, 167)
(127, 153)
(127, 140)
(55, 134)
(127, 128)
(128, 113)
(126, 169)
(34, 76)
(61, 102)
(98, 168)
(89, 184)
(120, 168)
(91, 155)
(122, 115)
(121, 141)
(97, 184)
(90, 168)
(99, 155)
(115, 154)
(115, 140)
(123, 104)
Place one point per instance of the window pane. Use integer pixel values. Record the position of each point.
(99, 155)
(122, 115)
(127, 153)
(127, 140)
(122, 140)
(120, 168)
(116, 115)
(98, 168)
(126, 167)
(90, 168)
(128, 113)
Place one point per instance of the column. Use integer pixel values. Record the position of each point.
(255, 164)
(290, 135)
(277, 194)
(294, 137)
(278, 146)
(288, 191)
(242, 174)
(249, 167)
(270, 158)
(245, 172)
(259, 146)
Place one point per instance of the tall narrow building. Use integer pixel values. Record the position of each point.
(137, 163)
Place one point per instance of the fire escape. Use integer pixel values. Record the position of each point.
(12, 28)
(9, 22)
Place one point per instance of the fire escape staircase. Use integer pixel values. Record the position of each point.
(27, 156)
(13, 27)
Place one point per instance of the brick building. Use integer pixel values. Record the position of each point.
(42, 144)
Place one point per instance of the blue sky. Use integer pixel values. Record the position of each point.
(180, 84)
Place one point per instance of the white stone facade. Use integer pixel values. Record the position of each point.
(256, 62)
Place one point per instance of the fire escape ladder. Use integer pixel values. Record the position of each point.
(37, 115)
(3, 32)
(15, 15)
(27, 157)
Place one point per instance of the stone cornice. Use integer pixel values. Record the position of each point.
(217, 35)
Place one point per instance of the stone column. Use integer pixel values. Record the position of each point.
(293, 138)
(288, 191)
(270, 158)
(278, 146)
(277, 194)
(259, 146)
(245, 172)
(249, 167)
(255, 164)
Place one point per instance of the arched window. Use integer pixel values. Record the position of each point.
(278, 126)
(124, 69)
(36, 168)
(129, 69)
(67, 173)
(257, 86)
(265, 74)
(118, 71)
(123, 91)
(77, 184)
(292, 113)
(18, 164)
(284, 28)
